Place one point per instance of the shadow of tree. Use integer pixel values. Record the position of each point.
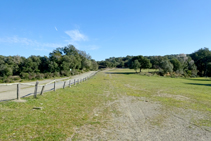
(199, 84)
(127, 73)
(199, 79)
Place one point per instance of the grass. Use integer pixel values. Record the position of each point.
(179, 92)
(70, 108)
(190, 93)
(63, 111)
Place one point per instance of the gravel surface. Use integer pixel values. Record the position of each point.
(138, 120)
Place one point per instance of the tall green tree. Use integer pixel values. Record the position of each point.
(202, 58)
(136, 65)
(144, 62)
(166, 66)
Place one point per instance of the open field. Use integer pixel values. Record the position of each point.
(114, 105)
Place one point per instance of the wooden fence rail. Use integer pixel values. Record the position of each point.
(36, 85)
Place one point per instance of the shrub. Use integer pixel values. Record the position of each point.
(39, 76)
(65, 73)
(8, 80)
(24, 75)
(16, 78)
(47, 75)
(56, 74)
(32, 76)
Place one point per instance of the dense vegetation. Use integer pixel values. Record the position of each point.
(59, 63)
(61, 60)
(196, 64)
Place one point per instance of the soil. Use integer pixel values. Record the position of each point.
(142, 120)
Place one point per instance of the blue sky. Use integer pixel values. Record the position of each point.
(105, 28)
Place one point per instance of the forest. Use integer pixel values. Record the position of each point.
(59, 63)
(62, 59)
(195, 64)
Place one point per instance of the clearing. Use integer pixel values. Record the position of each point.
(114, 105)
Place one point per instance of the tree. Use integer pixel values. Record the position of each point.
(202, 58)
(144, 62)
(166, 66)
(94, 65)
(176, 64)
(5, 70)
(136, 65)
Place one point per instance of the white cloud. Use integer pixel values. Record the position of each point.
(56, 29)
(89, 47)
(75, 35)
(28, 42)
(93, 47)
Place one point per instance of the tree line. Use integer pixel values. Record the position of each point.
(59, 63)
(197, 63)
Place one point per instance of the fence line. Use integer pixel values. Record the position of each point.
(36, 85)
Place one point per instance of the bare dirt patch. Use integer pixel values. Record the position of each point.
(136, 88)
(177, 97)
(135, 119)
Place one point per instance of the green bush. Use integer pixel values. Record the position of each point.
(8, 80)
(24, 75)
(47, 75)
(14, 78)
(39, 76)
(65, 73)
(32, 76)
(56, 74)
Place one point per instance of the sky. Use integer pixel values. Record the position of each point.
(105, 28)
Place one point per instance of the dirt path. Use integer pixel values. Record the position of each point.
(138, 119)
(10, 92)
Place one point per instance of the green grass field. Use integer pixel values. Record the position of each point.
(65, 110)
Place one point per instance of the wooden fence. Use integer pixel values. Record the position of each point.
(36, 85)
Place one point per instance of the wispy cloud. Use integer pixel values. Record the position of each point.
(28, 42)
(75, 35)
(56, 29)
(88, 47)
(93, 47)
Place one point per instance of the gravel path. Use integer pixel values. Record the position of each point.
(10, 92)
(139, 120)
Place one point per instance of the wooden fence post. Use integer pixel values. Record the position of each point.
(54, 84)
(69, 83)
(35, 90)
(18, 91)
(43, 88)
(64, 84)
(74, 82)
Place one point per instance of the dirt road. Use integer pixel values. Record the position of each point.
(138, 120)
(10, 92)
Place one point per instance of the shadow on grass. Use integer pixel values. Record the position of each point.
(199, 84)
(121, 73)
(205, 79)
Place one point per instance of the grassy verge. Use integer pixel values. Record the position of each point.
(63, 111)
